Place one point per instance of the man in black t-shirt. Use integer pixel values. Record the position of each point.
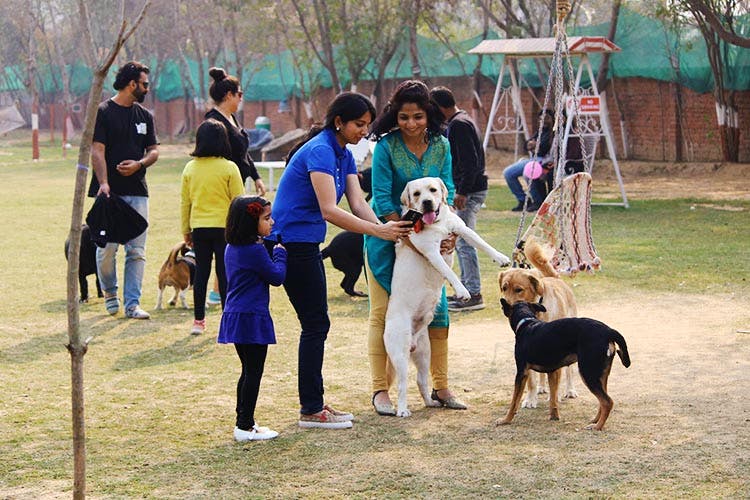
(124, 145)
(471, 189)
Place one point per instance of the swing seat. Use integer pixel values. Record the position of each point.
(561, 231)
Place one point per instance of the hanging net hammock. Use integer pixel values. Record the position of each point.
(561, 229)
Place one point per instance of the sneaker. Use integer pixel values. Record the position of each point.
(214, 298)
(256, 433)
(517, 208)
(340, 414)
(137, 313)
(532, 207)
(474, 303)
(199, 326)
(112, 304)
(324, 420)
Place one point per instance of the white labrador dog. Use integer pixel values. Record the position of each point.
(417, 282)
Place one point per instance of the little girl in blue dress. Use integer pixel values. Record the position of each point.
(246, 321)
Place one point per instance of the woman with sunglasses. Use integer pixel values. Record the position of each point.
(227, 95)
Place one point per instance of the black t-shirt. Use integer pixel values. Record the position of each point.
(126, 132)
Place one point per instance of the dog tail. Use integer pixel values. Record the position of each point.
(623, 348)
(325, 253)
(536, 255)
(177, 251)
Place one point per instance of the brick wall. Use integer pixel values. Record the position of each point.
(647, 110)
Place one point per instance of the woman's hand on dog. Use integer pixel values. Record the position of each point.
(448, 245)
(188, 239)
(394, 230)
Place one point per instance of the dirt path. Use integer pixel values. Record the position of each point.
(648, 180)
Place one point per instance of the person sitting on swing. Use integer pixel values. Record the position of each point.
(573, 165)
(514, 172)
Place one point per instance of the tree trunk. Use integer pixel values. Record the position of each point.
(603, 74)
(77, 347)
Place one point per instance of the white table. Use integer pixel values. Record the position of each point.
(271, 166)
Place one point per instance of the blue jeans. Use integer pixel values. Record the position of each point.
(513, 173)
(467, 254)
(135, 260)
(306, 288)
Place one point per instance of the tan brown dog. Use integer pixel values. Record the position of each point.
(177, 271)
(541, 285)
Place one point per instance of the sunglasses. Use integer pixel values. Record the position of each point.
(145, 84)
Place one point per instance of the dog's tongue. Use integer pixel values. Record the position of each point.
(429, 217)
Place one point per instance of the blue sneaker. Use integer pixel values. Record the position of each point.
(214, 298)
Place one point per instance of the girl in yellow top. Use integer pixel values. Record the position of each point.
(209, 183)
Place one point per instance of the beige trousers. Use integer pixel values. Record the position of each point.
(381, 370)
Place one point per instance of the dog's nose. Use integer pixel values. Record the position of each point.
(427, 206)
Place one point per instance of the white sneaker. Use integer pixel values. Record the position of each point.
(255, 434)
(137, 313)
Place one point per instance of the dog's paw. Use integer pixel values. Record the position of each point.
(83, 301)
(570, 394)
(172, 303)
(501, 259)
(403, 412)
(502, 421)
(462, 293)
(530, 401)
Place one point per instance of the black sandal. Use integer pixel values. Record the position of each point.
(386, 410)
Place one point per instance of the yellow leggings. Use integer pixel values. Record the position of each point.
(380, 368)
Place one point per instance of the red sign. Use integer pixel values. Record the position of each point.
(589, 105)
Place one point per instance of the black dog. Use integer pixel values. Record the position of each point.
(86, 263)
(546, 346)
(365, 181)
(346, 253)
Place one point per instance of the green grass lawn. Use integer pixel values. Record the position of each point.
(160, 403)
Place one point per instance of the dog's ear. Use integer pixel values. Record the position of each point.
(406, 196)
(538, 307)
(536, 285)
(507, 308)
(444, 189)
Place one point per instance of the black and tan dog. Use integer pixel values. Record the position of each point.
(178, 272)
(86, 264)
(547, 346)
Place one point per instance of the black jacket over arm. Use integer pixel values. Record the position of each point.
(238, 141)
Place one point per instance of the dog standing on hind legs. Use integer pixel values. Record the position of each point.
(419, 272)
(548, 346)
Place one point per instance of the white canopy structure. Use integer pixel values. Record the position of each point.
(507, 116)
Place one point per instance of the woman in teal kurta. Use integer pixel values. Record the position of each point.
(410, 146)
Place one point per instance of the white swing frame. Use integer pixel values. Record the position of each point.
(579, 46)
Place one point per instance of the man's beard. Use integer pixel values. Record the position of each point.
(139, 96)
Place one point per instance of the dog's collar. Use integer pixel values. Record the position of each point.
(523, 322)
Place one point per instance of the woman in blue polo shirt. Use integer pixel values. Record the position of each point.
(321, 170)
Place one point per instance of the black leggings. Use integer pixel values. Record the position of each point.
(253, 358)
(208, 242)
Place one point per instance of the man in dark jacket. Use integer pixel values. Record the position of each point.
(514, 172)
(471, 189)
(124, 146)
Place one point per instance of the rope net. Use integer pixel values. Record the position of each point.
(562, 225)
(562, 228)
